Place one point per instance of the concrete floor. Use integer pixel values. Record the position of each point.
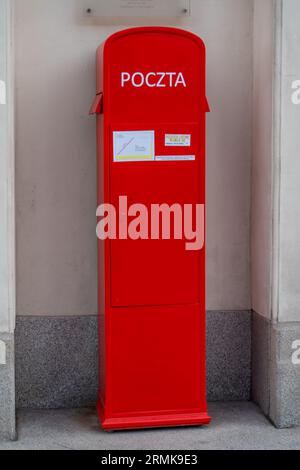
(234, 426)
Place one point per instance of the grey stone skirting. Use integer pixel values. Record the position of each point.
(275, 378)
(56, 359)
(7, 388)
(228, 356)
(56, 365)
(56, 362)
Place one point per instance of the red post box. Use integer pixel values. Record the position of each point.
(151, 106)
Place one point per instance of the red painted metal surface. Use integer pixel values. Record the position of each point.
(96, 107)
(151, 292)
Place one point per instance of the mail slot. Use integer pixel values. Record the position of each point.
(151, 112)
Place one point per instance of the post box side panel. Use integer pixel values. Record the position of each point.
(101, 260)
(100, 69)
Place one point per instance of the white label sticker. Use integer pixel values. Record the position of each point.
(178, 140)
(175, 158)
(134, 146)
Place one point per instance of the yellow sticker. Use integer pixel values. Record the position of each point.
(178, 140)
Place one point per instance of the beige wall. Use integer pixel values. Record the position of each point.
(55, 79)
(262, 168)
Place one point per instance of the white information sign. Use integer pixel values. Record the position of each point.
(137, 8)
(134, 146)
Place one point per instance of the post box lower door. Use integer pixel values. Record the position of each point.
(156, 367)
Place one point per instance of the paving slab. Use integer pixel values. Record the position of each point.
(236, 425)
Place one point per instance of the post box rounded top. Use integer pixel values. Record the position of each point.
(152, 66)
(154, 29)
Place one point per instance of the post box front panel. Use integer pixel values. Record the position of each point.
(155, 83)
(154, 272)
(152, 360)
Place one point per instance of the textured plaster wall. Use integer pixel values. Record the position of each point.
(56, 186)
(262, 165)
